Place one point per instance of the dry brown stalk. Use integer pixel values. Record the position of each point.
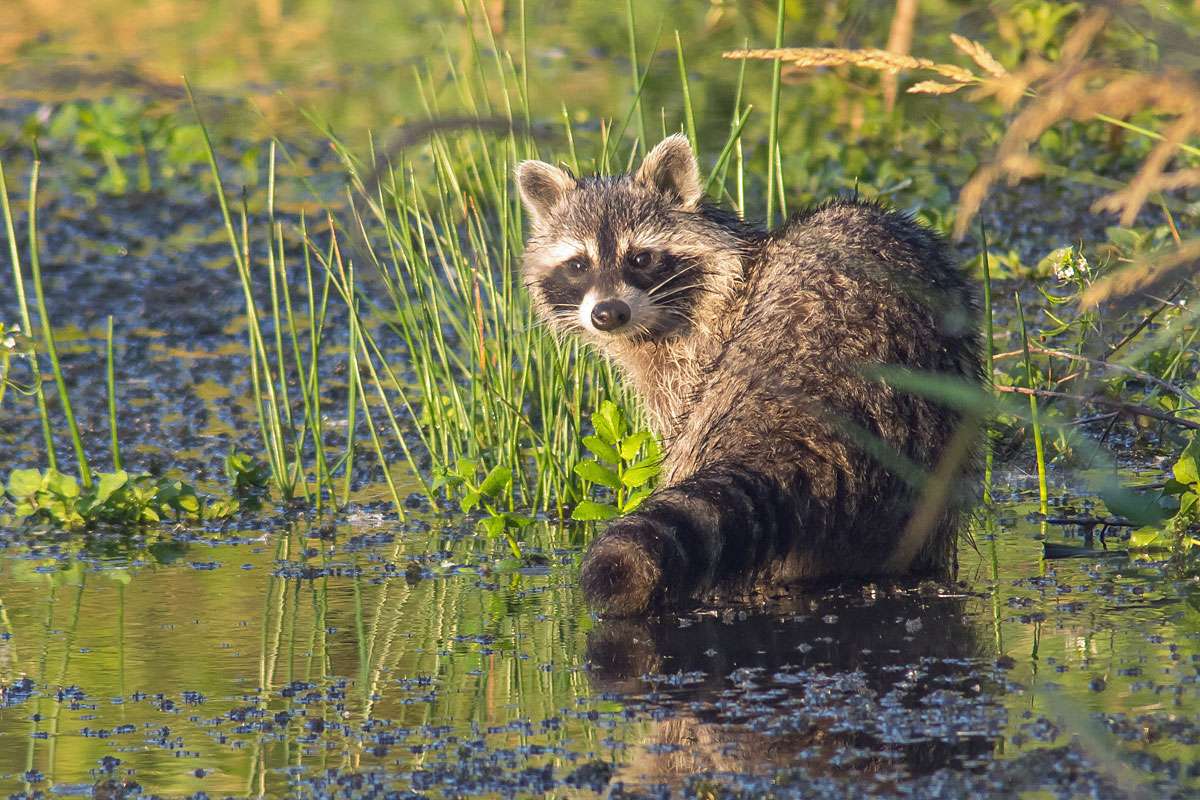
(868, 58)
(1076, 87)
(1143, 274)
(1137, 373)
(1134, 409)
(900, 37)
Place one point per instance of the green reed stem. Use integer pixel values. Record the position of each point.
(635, 73)
(111, 383)
(689, 114)
(773, 121)
(1039, 445)
(35, 263)
(26, 323)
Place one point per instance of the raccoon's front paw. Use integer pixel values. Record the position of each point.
(622, 573)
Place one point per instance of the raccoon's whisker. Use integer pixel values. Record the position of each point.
(672, 277)
(674, 291)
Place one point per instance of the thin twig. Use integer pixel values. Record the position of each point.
(1115, 522)
(1129, 408)
(1129, 337)
(1140, 374)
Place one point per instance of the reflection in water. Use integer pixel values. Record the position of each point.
(371, 660)
(852, 685)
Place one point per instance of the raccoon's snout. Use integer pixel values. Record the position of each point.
(609, 315)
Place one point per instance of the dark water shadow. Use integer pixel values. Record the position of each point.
(885, 684)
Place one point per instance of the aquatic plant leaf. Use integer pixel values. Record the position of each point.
(602, 449)
(1141, 509)
(1173, 487)
(494, 526)
(635, 499)
(469, 501)
(596, 472)
(107, 485)
(1187, 468)
(591, 511)
(24, 482)
(496, 481)
(1147, 538)
(609, 422)
(632, 444)
(61, 485)
(639, 476)
(223, 507)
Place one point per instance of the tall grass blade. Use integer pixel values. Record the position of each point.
(35, 263)
(773, 114)
(1039, 445)
(989, 345)
(110, 381)
(26, 323)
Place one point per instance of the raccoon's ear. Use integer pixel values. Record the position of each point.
(542, 186)
(671, 169)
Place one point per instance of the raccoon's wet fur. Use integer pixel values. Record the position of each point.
(752, 352)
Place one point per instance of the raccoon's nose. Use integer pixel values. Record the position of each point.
(608, 315)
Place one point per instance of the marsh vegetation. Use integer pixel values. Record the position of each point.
(295, 486)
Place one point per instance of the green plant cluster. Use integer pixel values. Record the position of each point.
(125, 133)
(627, 463)
(489, 495)
(1177, 507)
(13, 344)
(119, 498)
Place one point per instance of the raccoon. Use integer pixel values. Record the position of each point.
(756, 356)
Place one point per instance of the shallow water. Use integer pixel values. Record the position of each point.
(372, 658)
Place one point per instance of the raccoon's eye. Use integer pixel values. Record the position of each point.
(640, 259)
(577, 265)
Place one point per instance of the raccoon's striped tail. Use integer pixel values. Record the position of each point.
(724, 520)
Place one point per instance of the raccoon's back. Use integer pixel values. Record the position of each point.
(848, 283)
(833, 295)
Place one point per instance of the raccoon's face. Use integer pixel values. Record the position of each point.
(616, 258)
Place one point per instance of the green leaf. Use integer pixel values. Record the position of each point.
(632, 444)
(1141, 509)
(1145, 538)
(518, 521)
(1187, 506)
(596, 472)
(639, 476)
(470, 501)
(635, 499)
(24, 482)
(466, 469)
(494, 526)
(1187, 468)
(221, 508)
(588, 511)
(609, 422)
(602, 449)
(62, 485)
(108, 483)
(1173, 486)
(188, 503)
(496, 481)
